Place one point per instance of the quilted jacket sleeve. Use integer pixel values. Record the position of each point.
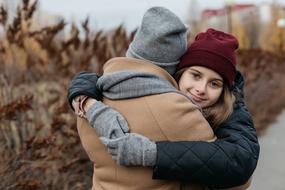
(227, 162)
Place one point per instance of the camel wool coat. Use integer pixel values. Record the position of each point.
(168, 116)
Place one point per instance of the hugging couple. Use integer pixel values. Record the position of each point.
(168, 115)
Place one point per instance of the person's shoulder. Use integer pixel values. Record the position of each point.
(175, 99)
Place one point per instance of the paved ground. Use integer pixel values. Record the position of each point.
(270, 172)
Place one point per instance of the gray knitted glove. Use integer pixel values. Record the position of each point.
(107, 121)
(132, 150)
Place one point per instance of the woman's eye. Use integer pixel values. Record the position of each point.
(216, 84)
(195, 75)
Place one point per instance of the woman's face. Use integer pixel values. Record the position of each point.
(203, 85)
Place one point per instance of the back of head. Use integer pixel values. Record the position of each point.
(161, 39)
(215, 50)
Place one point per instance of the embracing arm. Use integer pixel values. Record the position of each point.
(84, 98)
(227, 162)
(107, 121)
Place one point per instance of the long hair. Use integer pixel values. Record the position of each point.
(221, 110)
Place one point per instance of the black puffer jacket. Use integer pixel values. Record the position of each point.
(227, 162)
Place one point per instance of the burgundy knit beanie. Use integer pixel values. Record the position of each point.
(215, 50)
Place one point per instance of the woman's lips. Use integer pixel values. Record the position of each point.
(197, 98)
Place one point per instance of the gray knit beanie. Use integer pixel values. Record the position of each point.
(161, 39)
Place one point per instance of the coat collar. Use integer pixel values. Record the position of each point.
(125, 63)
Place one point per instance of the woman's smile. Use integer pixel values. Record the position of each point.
(197, 98)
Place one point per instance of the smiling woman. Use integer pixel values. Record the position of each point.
(203, 85)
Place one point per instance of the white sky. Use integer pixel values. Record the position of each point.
(111, 13)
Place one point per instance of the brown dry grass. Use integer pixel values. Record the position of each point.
(264, 87)
(39, 145)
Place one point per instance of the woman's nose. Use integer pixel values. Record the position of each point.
(200, 88)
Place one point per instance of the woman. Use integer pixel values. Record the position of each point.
(236, 150)
(218, 86)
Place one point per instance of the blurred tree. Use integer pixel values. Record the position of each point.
(270, 38)
(239, 30)
(252, 25)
